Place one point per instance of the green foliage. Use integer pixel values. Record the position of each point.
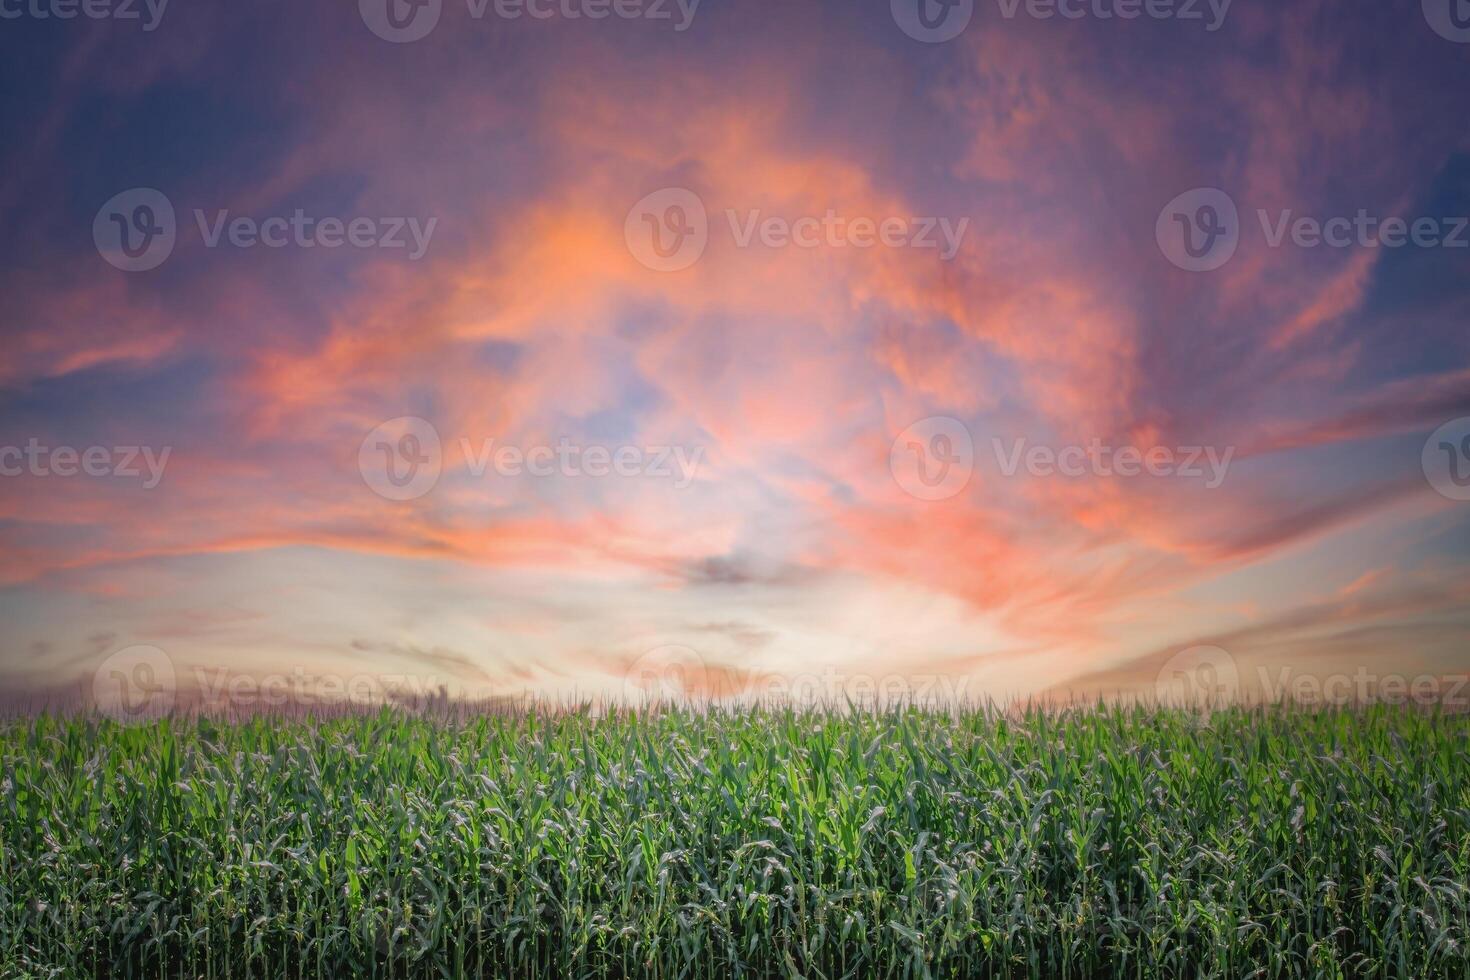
(764, 842)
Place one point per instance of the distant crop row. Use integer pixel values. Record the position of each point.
(1124, 841)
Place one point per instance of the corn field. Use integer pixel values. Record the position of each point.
(1124, 841)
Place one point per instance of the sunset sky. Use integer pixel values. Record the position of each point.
(792, 532)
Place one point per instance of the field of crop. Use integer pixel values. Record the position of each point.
(759, 843)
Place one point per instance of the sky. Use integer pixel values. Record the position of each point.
(986, 349)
